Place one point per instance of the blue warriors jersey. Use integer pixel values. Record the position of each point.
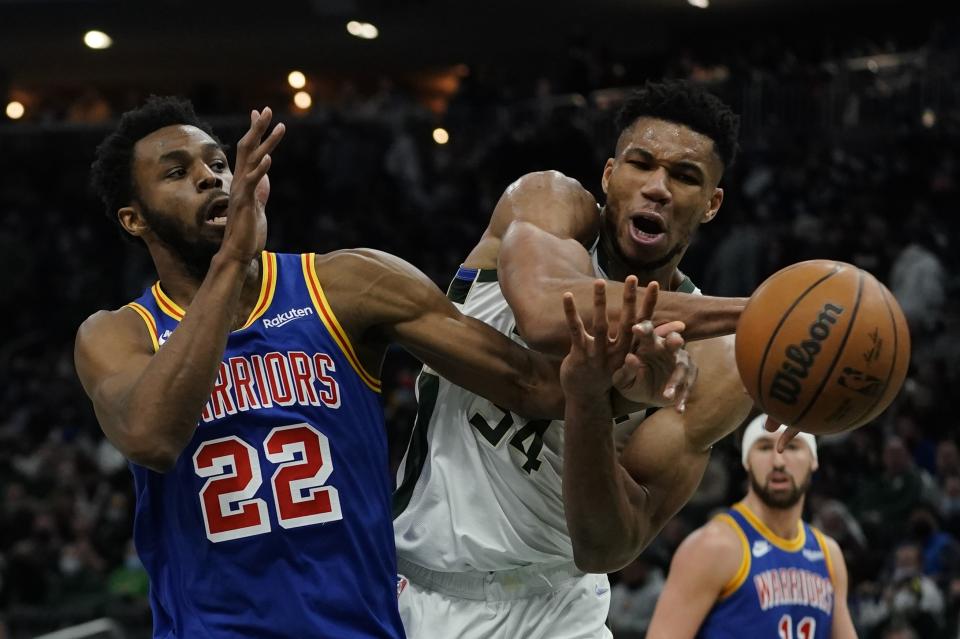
(275, 521)
(783, 589)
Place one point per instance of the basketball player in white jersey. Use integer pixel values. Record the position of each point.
(499, 529)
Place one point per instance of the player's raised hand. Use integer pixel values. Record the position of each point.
(246, 230)
(586, 370)
(657, 371)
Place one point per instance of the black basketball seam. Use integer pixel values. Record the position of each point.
(843, 344)
(783, 318)
(893, 363)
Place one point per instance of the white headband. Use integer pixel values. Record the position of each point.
(755, 431)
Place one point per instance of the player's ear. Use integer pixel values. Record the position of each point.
(607, 170)
(132, 220)
(715, 201)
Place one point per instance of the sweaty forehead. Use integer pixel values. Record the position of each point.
(669, 139)
(150, 148)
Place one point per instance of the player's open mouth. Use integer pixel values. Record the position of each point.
(217, 211)
(779, 481)
(647, 228)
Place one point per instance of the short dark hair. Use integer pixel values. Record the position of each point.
(111, 174)
(685, 103)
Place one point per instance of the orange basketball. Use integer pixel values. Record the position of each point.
(822, 346)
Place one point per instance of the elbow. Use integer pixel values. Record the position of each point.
(159, 463)
(605, 557)
(150, 452)
(156, 459)
(599, 559)
(543, 336)
(541, 400)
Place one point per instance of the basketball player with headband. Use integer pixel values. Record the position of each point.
(758, 570)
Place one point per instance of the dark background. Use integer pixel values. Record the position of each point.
(850, 125)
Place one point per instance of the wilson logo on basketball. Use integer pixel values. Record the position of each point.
(786, 384)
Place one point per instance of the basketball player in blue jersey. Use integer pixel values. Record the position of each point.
(243, 388)
(758, 570)
(507, 526)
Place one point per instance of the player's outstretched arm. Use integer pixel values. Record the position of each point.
(148, 404)
(536, 266)
(615, 506)
(842, 622)
(703, 565)
(539, 230)
(385, 299)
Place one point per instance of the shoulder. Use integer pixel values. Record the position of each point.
(837, 565)
(374, 287)
(346, 260)
(550, 200)
(364, 265)
(720, 534)
(832, 545)
(715, 550)
(121, 322)
(552, 181)
(110, 336)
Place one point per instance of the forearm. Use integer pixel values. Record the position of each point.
(161, 412)
(543, 327)
(600, 499)
(542, 396)
(705, 316)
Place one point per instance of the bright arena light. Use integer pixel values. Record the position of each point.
(297, 80)
(363, 30)
(440, 135)
(97, 40)
(700, 4)
(15, 110)
(302, 100)
(929, 118)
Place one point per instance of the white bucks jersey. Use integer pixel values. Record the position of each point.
(479, 487)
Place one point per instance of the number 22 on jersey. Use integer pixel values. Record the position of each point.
(300, 494)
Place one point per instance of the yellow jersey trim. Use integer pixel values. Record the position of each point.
(149, 321)
(826, 553)
(741, 575)
(330, 321)
(165, 304)
(268, 286)
(790, 545)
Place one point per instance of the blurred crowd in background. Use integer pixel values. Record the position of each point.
(849, 152)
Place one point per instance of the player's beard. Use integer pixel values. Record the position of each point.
(652, 265)
(779, 499)
(195, 252)
(637, 266)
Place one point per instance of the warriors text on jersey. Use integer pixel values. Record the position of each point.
(479, 488)
(275, 520)
(784, 588)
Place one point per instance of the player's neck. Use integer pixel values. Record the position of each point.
(180, 283)
(617, 268)
(783, 522)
